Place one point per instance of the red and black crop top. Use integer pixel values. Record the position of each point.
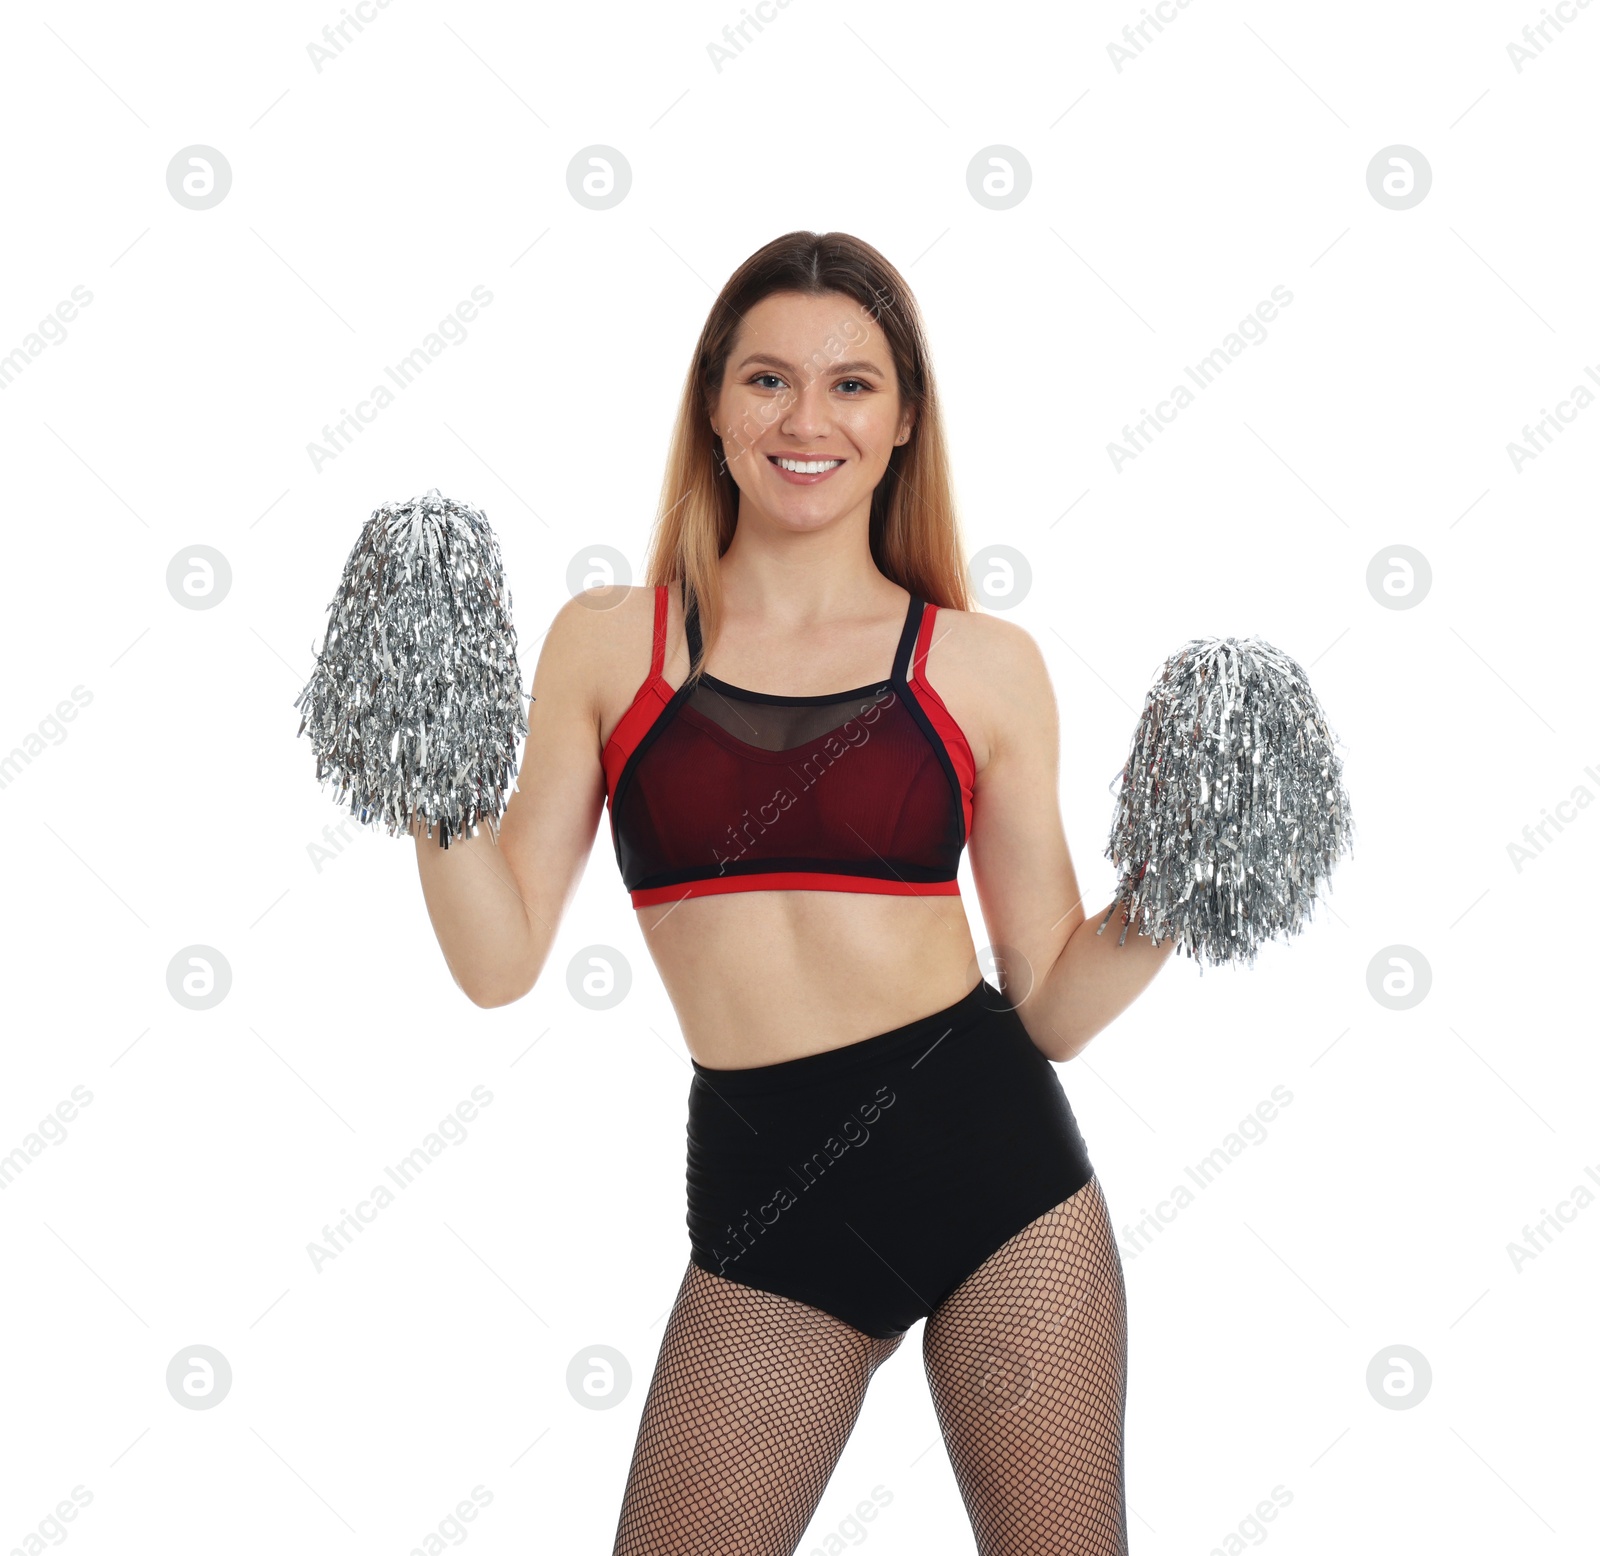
(713, 788)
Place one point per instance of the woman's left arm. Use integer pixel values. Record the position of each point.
(1069, 981)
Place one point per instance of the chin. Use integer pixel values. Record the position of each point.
(801, 518)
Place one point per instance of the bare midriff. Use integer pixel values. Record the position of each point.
(758, 977)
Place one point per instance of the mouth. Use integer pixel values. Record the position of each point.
(803, 472)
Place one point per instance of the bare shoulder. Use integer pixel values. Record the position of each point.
(602, 639)
(990, 673)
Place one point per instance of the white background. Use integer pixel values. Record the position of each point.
(1168, 199)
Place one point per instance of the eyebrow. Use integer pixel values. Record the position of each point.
(833, 367)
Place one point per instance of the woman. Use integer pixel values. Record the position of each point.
(876, 1134)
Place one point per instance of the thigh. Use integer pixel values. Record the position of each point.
(753, 1398)
(1027, 1364)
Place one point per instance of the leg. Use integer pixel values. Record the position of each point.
(1027, 1364)
(753, 1398)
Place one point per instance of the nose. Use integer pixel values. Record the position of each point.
(808, 416)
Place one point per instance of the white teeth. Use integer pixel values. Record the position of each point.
(809, 466)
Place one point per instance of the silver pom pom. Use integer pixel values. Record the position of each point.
(415, 706)
(1232, 809)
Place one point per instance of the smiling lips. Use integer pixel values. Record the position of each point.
(803, 472)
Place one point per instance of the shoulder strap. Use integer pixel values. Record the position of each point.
(918, 614)
(658, 641)
(924, 641)
(691, 623)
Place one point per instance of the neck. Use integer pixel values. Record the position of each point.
(792, 580)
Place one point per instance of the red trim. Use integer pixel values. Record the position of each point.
(658, 636)
(955, 742)
(792, 880)
(652, 696)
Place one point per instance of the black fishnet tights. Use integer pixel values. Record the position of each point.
(755, 1395)
(1027, 1362)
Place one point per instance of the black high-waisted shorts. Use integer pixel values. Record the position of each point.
(870, 1180)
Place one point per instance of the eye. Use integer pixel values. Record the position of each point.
(755, 377)
(863, 384)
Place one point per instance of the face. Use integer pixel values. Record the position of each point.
(809, 382)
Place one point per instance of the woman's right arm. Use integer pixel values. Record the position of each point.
(495, 907)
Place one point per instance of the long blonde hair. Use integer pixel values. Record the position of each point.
(913, 529)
